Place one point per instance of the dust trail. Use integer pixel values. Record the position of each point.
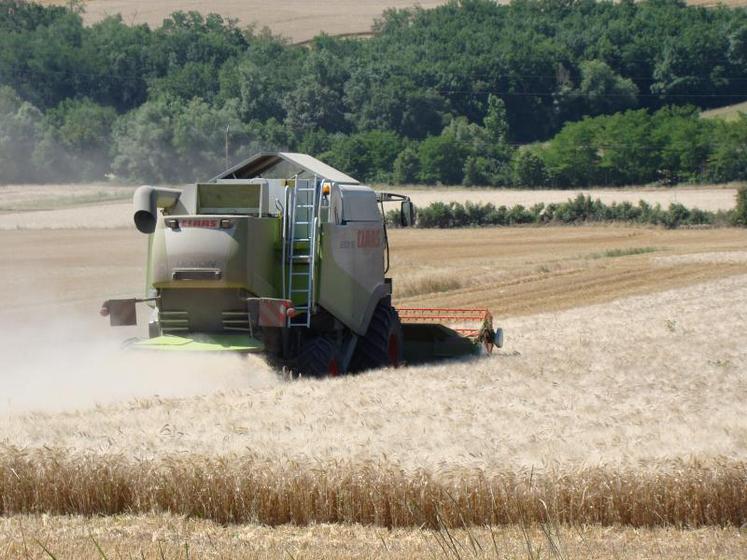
(72, 364)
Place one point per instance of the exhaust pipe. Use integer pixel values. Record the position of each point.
(147, 200)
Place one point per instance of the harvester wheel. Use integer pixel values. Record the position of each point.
(317, 358)
(382, 344)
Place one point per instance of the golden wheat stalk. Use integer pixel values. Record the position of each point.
(238, 489)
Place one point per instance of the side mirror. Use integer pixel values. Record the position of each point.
(121, 312)
(407, 215)
(498, 338)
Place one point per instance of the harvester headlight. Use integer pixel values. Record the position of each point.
(173, 223)
(226, 224)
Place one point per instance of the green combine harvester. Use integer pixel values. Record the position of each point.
(286, 256)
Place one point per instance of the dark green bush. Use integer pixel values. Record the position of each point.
(740, 212)
(582, 209)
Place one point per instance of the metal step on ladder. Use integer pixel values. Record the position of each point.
(301, 250)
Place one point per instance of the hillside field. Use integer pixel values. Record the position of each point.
(294, 19)
(728, 113)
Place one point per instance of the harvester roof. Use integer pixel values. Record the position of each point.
(280, 165)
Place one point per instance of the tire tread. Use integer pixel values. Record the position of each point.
(372, 350)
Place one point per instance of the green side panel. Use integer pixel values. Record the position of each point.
(239, 343)
(223, 199)
(264, 261)
(350, 276)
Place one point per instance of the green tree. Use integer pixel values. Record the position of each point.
(485, 149)
(629, 150)
(262, 77)
(406, 166)
(496, 166)
(529, 169)
(143, 142)
(604, 91)
(20, 15)
(684, 141)
(496, 124)
(728, 161)
(316, 99)
(258, 92)
(385, 97)
(740, 211)
(194, 79)
(20, 124)
(168, 140)
(121, 63)
(442, 160)
(76, 143)
(368, 156)
(572, 156)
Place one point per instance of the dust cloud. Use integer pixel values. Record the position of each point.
(75, 363)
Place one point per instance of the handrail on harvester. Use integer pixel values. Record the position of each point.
(445, 315)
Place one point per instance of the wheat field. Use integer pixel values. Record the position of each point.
(240, 489)
(637, 381)
(609, 426)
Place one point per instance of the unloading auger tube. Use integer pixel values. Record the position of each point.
(146, 202)
(285, 256)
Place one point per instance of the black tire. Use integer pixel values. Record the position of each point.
(382, 344)
(317, 358)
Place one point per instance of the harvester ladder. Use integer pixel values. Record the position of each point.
(301, 250)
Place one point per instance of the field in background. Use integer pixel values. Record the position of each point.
(512, 270)
(728, 113)
(296, 19)
(101, 206)
(27, 198)
(712, 3)
(299, 20)
(710, 197)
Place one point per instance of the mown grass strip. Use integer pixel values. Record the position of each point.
(616, 253)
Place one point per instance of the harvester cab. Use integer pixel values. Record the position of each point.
(286, 256)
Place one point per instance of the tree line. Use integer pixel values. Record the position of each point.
(443, 95)
(578, 210)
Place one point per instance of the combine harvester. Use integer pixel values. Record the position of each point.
(286, 256)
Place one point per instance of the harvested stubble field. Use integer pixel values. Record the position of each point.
(299, 20)
(168, 537)
(706, 197)
(616, 401)
(26, 198)
(296, 19)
